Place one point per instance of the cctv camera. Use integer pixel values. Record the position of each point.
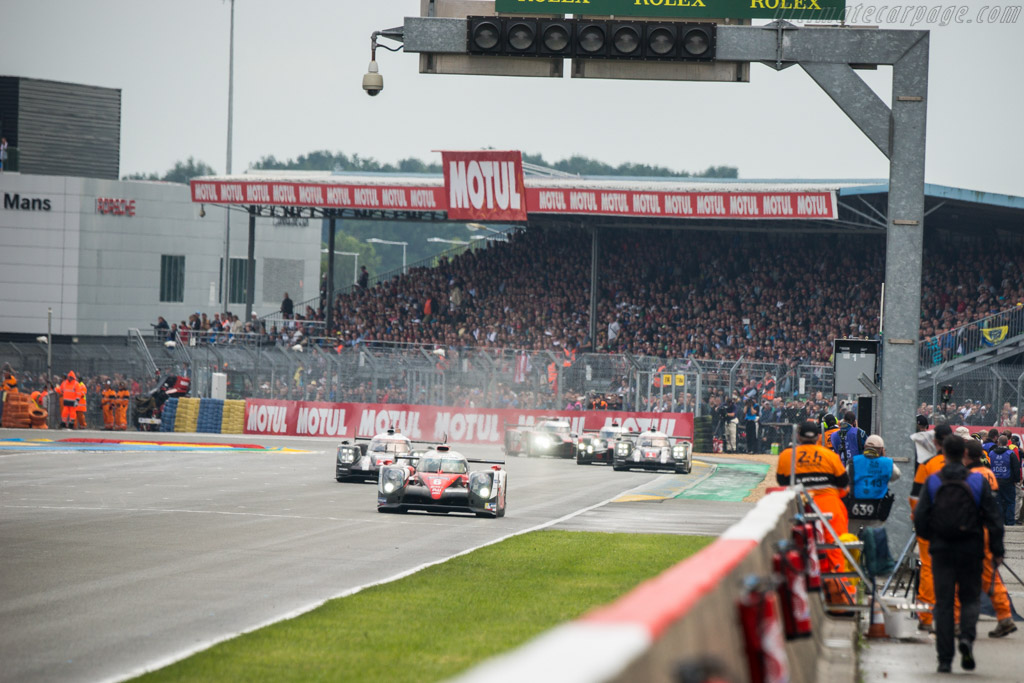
(373, 82)
(202, 211)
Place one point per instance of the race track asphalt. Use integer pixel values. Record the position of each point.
(119, 561)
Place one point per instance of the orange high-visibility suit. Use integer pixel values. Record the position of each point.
(68, 392)
(925, 583)
(107, 402)
(825, 478)
(121, 408)
(39, 399)
(997, 590)
(80, 416)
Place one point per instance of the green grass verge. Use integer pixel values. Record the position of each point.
(446, 618)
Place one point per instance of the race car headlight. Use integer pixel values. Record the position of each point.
(389, 487)
(392, 479)
(346, 455)
(542, 441)
(485, 492)
(482, 485)
(582, 446)
(622, 448)
(678, 452)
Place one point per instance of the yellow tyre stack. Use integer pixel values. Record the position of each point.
(187, 417)
(233, 421)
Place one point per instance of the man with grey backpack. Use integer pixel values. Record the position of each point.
(954, 508)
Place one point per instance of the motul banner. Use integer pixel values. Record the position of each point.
(433, 423)
(484, 186)
(784, 205)
(320, 195)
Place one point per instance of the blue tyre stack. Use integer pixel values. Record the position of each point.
(169, 414)
(211, 413)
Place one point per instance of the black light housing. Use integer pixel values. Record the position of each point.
(485, 36)
(556, 37)
(521, 36)
(594, 39)
(627, 40)
(591, 39)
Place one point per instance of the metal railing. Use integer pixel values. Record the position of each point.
(971, 338)
(12, 161)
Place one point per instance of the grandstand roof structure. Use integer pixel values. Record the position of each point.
(831, 205)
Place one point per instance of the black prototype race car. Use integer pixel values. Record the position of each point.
(362, 460)
(440, 481)
(599, 446)
(653, 450)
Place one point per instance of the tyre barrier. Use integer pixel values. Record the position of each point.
(187, 416)
(37, 418)
(16, 413)
(211, 415)
(233, 420)
(167, 417)
(687, 614)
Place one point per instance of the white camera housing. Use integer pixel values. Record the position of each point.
(373, 82)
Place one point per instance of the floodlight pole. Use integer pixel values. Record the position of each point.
(226, 269)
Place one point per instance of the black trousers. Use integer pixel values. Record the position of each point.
(751, 436)
(953, 571)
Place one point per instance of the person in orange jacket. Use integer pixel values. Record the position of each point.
(68, 392)
(991, 582)
(108, 403)
(121, 407)
(925, 583)
(80, 416)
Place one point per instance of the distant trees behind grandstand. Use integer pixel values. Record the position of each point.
(182, 172)
(323, 160)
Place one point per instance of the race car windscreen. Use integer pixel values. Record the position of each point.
(443, 465)
(554, 428)
(654, 442)
(608, 433)
(389, 446)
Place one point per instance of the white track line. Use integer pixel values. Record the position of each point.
(178, 656)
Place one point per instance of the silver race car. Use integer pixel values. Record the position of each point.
(653, 450)
(551, 436)
(599, 445)
(440, 481)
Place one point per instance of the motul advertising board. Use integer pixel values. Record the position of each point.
(484, 186)
(786, 205)
(329, 196)
(433, 423)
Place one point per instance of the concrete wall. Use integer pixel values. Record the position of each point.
(687, 612)
(100, 272)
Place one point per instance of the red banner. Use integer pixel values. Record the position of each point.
(484, 186)
(432, 423)
(327, 195)
(783, 205)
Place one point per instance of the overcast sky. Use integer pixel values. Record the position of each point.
(299, 65)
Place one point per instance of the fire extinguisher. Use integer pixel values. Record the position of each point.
(796, 609)
(762, 633)
(804, 538)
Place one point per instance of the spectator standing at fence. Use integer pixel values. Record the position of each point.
(849, 440)
(1006, 467)
(825, 478)
(954, 509)
(731, 420)
(925, 584)
(364, 278)
(287, 307)
(751, 416)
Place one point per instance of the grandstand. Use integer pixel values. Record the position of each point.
(723, 303)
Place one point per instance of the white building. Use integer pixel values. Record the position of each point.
(109, 255)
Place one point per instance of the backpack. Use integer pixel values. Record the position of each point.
(956, 506)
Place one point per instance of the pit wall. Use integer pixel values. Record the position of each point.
(687, 612)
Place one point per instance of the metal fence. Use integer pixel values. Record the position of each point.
(981, 396)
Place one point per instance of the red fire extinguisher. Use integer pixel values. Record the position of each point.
(762, 633)
(796, 609)
(804, 538)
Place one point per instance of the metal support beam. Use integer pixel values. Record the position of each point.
(595, 246)
(903, 256)
(250, 268)
(329, 293)
(856, 98)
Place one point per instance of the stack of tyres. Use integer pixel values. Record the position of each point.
(233, 421)
(188, 415)
(17, 411)
(702, 434)
(168, 415)
(211, 415)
